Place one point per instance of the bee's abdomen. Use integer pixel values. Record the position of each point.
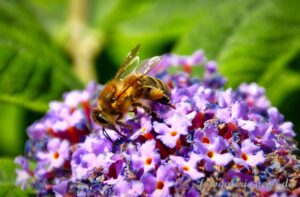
(155, 89)
(152, 82)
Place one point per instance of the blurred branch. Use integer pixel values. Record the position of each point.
(83, 42)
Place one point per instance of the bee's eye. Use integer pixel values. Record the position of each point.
(101, 120)
(99, 117)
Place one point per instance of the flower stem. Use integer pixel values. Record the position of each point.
(83, 42)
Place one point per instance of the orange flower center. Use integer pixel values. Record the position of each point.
(186, 168)
(205, 140)
(210, 154)
(160, 185)
(173, 133)
(244, 156)
(56, 155)
(148, 161)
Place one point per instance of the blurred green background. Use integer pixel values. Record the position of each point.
(52, 46)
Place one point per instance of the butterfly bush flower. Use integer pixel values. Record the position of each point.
(57, 153)
(160, 184)
(146, 158)
(249, 154)
(211, 141)
(170, 135)
(23, 174)
(211, 151)
(145, 128)
(189, 167)
(129, 189)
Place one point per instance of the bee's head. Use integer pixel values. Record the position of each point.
(99, 117)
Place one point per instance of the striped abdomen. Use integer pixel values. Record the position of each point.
(153, 89)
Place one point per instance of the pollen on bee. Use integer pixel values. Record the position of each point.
(114, 105)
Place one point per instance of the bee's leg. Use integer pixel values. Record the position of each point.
(112, 126)
(106, 135)
(147, 109)
(119, 132)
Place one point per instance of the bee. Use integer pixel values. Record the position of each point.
(130, 84)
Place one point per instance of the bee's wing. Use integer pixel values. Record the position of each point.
(141, 70)
(147, 65)
(129, 65)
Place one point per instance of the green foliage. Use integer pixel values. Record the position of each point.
(32, 70)
(12, 129)
(8, 178)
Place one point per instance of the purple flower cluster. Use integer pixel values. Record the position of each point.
(211, 138)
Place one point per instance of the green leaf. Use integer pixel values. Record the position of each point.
(155, 25)
(7, 171)
(33, 70)
(214, 30)
(264, 44)
(51, 14)
(10, 190)
(8, 178)
(12, 129)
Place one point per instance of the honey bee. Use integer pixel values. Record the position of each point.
(130, 84)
